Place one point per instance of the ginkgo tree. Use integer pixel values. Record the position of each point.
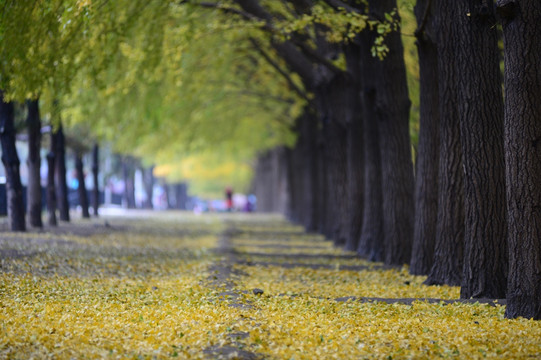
(183, 100)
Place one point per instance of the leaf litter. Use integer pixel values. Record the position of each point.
(141, 289)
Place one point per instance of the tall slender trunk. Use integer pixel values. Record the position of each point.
(371, 239)
(355, 200)
(312, 200)
(128, 172)
(320, 190)
(81, 188)
(60, 170)
(148, 182)
(33, 193)
(448, 250)
(392, 110)
(481, 122)
(167, 193)
(302, 173)
(371, 243)
(338, 101)
(355, 150)
(51, 190)
(95, 173)
(10, 159)
(426, 179)
(337, 182)
(296, 173)
(282, 165)
(181, 196)
(522, 48)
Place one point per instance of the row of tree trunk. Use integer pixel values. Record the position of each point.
(471, 216)
(175, 195)
(57, 189)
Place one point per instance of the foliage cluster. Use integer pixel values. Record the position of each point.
(167, 81)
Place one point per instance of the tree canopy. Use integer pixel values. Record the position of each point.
(168, 80)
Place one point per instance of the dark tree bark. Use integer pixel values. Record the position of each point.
(167, 193)
(337, 181)
(95, 173)
(370, 244)
(81, 188)
(10, 159)
(481, 123)
(355, 192)
(355, 150)
(274, 188)
(128, 172)
(426, 179)
(148, 182)
(320, 190)
(302, 173)
(181, 195)
(33, 192)
(258, 183)
(262, 183)
(392, 110)
(60, 171)
(51, 189)
(522, 47)
(371, 240)
(448, 250)
(283, 163)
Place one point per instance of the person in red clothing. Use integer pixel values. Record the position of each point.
(229, 199)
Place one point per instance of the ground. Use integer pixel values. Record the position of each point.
(173, 284)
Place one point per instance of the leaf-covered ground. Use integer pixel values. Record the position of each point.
(170, 284)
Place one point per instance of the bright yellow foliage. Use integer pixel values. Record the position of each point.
(139, 288)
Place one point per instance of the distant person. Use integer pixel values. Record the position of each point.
(229, 199)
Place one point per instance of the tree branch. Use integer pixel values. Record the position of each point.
(254, 8)
(276, 66)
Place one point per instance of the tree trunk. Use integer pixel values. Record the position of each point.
(296, 173)
(128, 173)
(283, 159)
(355, 150)
(337, 102)
(337, 181)
(33, 193)
(81, 188)
(481, 122)
(95, 173)
(148, 182)
(181, 196)
(392, 110)
(356, 184)
(10, 159)
(167, 194)
(371, 239)
(51, 190)
(426, 179)
(302, 173)
(320, 191)
(60, 170)
(448, 250)
(522, 47)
